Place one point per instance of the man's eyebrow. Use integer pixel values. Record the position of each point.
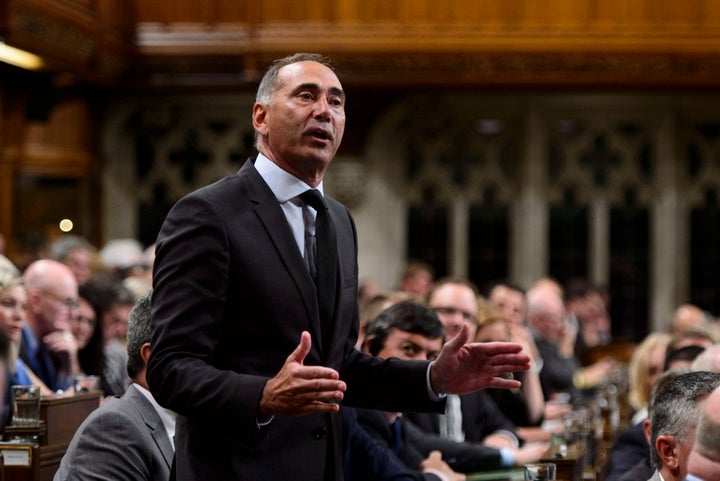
(315, 87)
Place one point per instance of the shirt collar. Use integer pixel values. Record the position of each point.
(283, 184)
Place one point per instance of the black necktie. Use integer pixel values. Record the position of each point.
(325, 259)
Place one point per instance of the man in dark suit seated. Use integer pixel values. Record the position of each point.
(365, 458)
(128, 438)
(413, 332)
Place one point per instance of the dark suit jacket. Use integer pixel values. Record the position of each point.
(480, 417)
(417, 444)
(629, 449)
(231, 297)
(124, 439)
(365, 458)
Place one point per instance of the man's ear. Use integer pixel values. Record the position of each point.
(259, 115)
(145, 352)
(666, 447)
(367, 344)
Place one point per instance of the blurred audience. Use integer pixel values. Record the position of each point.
(687, 317)
(417, 278)
(561, 371)
(646, 364)
(75, 252)
(123, 257)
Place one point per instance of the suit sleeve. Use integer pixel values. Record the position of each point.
(461, 457)
(191, 283)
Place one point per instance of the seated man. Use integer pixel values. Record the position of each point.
(561, 371)
(673, 417)
(474, 416)
(127, 438)
(704, 460)
(48, 347)
(365, 458)
(413, 332)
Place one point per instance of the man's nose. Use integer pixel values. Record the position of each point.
(322, 108)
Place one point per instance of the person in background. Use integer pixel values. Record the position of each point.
(122, 257)
(417, 279)
(75, 252)
(366, 458)
(112, 303)
(524, 406)
(48, 346)
(561, 371)
(631, 449)
(674, 414)
(89, 336)
(13, 315)
(688, 317)
(128, 438)
(704, 461)
(472, 416)
(708, 360)
(646, 364)
(411, 331)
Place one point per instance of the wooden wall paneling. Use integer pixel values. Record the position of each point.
(234, 12)
(12, 122)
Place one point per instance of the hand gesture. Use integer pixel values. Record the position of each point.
(298, 389)
(435, 464)
(462, 367)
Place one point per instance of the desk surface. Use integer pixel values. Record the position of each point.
(513, 474)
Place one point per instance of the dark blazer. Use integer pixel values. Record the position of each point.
(629, 449)
(124, 439)
(417, 444)
(365, 458)
(231, 297)
(480, 417)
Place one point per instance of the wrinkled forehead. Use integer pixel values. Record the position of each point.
(308, 72)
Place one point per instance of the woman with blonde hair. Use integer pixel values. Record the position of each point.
(13, 314)
(646, 364)
(525, 406)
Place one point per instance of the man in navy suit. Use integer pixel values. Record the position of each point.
(243, 350)
(127, 438)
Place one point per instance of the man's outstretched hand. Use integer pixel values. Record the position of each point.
(462, 367)
(298, 389)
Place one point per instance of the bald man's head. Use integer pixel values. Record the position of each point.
(52, 296)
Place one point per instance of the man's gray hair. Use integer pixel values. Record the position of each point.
(139, 331)
(675, 409)
(268, 84)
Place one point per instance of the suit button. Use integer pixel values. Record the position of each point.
(320, 433)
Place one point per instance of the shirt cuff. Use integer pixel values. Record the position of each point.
(507, 457)
(433, 395)
(263, 421)
(510, 435)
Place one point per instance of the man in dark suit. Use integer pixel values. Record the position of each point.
(127, 438)
(253, 357)
(410, 331)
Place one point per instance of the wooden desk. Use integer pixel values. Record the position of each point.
(511, 474)
(62, 416)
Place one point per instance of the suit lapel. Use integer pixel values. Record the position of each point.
(270, 214)
(152, 420)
